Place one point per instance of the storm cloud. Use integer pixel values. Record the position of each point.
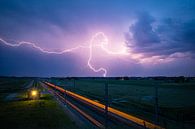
(161, 37)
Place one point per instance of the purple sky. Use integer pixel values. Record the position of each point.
(158, 36)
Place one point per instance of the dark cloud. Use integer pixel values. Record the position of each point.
(143, 33)
(177, 31)
(161, 37)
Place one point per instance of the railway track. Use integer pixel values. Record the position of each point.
(77, 102)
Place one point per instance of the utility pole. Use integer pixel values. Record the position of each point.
(65, 96)
(74, 84)
(106, 105)
(74, 87)
(156, 104)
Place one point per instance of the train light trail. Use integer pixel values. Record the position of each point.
(104, 42)
(114, 111)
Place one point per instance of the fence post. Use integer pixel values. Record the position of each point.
(106, 105)
(145, 125)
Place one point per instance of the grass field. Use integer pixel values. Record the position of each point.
(11, 85)
(21, 113)
(176, 101)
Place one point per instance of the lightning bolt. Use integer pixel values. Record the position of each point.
(102, 45)
(39, 48)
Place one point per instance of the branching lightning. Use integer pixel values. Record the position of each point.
(91, 45)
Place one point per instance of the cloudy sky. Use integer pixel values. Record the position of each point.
(156, 37)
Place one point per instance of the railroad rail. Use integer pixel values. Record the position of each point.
(112, 113)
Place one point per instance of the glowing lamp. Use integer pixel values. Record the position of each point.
(34, 93)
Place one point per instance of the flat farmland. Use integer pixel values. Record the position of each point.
(175, 100)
